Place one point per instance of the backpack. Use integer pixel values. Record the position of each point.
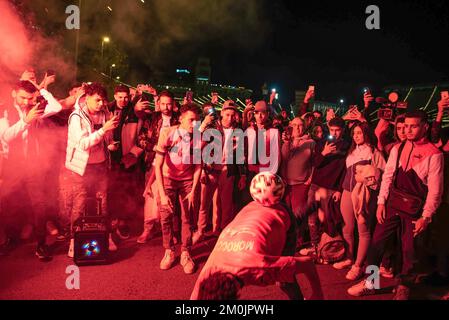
(331, 249)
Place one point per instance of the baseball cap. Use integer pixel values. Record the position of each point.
(229, 104)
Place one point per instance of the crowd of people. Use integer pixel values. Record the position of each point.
(376, 185)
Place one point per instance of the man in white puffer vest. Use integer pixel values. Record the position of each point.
(88, 146)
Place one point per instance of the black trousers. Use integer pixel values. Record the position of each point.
(395, 225)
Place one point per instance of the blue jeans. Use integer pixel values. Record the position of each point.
(177, 192)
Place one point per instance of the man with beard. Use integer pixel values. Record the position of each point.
(415, 168)
(126, 175)
(27, 164)
(152, 124)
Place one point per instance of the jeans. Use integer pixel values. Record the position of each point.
(363, 228)
(208, 197)
(151, 214)
(93, 184)
(177, 192)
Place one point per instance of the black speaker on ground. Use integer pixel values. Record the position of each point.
(91, 247)
(91, 237)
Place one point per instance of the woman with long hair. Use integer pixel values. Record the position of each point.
(318, 132)
(364, 165)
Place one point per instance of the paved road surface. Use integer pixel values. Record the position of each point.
(134, 274)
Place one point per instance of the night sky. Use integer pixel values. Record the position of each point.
(288, 44)
(326, 43)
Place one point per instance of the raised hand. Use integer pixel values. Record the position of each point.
(111, 124)
(367, 99)
(329, 148)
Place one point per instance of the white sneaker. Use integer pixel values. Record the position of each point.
(361, 289)
(168, 260)
(355, 273)
(307, 251)
(71, 252)
(342, 264)
(187, 263)
(112, 246)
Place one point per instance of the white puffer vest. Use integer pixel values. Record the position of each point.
(77, 155)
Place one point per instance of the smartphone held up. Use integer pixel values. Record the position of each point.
(444, 95)
(445, 99)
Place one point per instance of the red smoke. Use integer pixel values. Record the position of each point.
(14, 48)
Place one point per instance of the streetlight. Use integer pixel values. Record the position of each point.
(110, 70)
(103, 41)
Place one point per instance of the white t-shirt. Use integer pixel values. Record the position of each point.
(165, 122)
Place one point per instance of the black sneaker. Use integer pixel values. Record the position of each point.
(43, 252)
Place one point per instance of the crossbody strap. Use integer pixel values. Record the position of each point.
(401, 148)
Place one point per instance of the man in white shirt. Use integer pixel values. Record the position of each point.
(26, 164)
(219, 175)
(88, 146)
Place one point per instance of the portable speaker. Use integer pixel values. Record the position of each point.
(91, 236)
(91, 247)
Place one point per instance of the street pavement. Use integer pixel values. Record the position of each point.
(133, 274)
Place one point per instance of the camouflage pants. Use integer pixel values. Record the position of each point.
(78, 193)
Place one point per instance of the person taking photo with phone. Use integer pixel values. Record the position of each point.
(88, 153)
(329, 162)
(296, 166)
(26, 165)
